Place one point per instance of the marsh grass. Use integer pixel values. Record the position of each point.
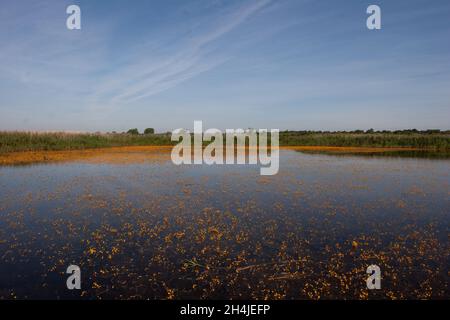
(12, 141)
(405, 139)
(30, 141)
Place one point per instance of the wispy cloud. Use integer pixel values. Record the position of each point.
(40, 52)
(188, 61)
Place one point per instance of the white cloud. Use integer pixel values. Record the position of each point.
(143, 80)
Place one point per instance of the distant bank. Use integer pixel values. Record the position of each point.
(435, 140)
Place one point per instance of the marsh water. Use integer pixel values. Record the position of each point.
(145, 228)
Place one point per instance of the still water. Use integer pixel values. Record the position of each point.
(140, 227)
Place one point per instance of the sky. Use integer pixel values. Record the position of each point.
(286, 64)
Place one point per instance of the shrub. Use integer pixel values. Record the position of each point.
(133, 131)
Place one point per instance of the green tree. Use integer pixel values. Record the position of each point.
(149, 131)
(133, 131)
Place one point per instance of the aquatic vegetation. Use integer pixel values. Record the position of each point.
(113, 155)
(141, 228)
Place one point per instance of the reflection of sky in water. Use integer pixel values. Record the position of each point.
(328, 199)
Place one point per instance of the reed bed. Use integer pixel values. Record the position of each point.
(13, 141)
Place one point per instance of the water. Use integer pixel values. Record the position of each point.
(144, 228)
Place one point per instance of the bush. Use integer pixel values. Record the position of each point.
(133, 131)
(149, 131)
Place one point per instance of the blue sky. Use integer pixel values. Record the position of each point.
(300, 64)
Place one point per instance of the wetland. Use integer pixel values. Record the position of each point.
(140, 227)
